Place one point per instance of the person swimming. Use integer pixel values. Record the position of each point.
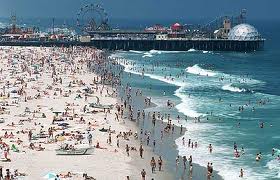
(258, 157)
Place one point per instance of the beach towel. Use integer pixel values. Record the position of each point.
(14, 148)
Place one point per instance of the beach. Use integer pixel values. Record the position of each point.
(48, 101)
(83, 113)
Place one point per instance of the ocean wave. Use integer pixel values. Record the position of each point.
(187, 105)
(273, 165)
(229, 87)
(158, 52)
(147, 54)
(164, 52)
(130, 69)
(114, 56)
(196, 69)
(167, 80)
(137, 52)
(155, 51)
(192, 50)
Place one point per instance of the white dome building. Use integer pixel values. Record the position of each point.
(244, 32)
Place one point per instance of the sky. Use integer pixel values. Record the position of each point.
(143, 9)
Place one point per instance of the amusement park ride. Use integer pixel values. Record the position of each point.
(92, 17)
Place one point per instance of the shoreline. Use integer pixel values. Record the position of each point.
(136, 162)
(171, 145)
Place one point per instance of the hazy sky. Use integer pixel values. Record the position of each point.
(143, 9)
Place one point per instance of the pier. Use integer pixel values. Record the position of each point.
(147, 45)
(223, 34)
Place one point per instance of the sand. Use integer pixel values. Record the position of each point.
(108, 163)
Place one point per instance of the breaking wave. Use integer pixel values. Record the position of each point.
(196, 69)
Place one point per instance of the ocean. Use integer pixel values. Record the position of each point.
(231, 93)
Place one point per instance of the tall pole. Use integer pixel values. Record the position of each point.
(53, 25)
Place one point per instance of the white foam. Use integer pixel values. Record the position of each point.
(155, 51)
(229, 87)
(137, 52)
(200, 71)
(164, 52)
(147, 54)
(167, 80)
(273, 165)
(191, 50)
(128, 67)
(222, 156)
(187, 105)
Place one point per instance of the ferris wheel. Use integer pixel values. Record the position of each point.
(92, 17)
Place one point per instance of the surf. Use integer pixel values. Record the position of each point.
(231, 88)
(197, 70)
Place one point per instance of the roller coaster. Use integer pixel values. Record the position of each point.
(218, 22)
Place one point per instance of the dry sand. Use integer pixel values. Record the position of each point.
(110, 163)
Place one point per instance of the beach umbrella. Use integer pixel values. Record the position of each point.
(50, 176)
(60, 138)
(13, 91)
(63, 124)
(57, 112)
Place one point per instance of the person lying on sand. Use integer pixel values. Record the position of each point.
(16, 173)
(65, 175)
(33, 147)
(11, 125)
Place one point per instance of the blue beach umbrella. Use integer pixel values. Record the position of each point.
(50, 176)
(63, 124)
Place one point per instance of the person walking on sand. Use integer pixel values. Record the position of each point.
(153, 164)
(148, 139)
(110, 139)
(159, 163)
(1, 173)
(154, 145)
(89, 137)
(29, 135)
(118, 143)
(143, 174)
(141, 150)
(127, 150)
